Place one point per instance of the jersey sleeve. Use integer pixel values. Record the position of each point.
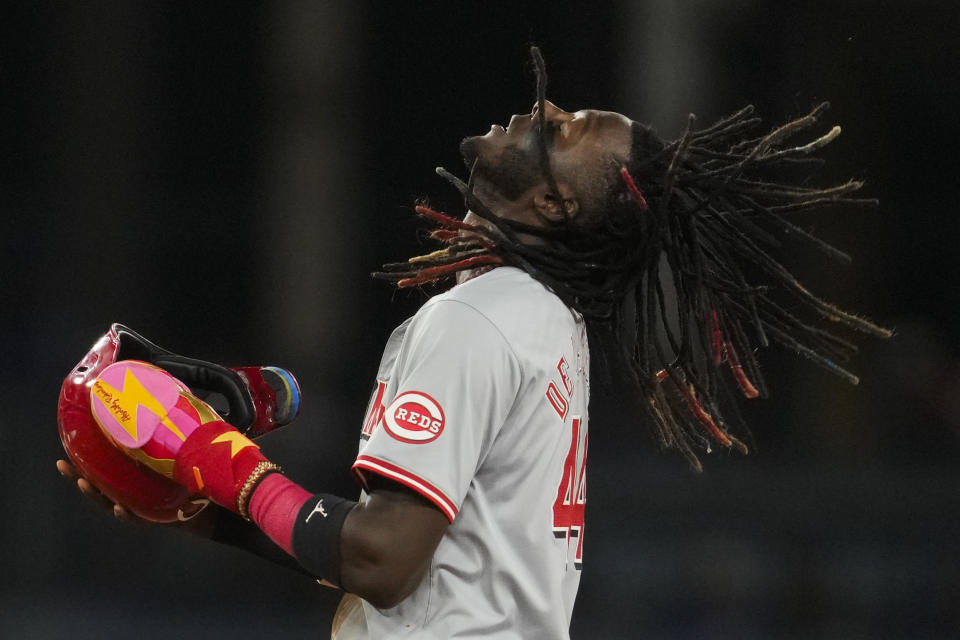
(453, 385)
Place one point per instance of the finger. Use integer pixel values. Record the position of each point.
(84, 485)
(66, 469)
(93, 493)
(124, 514)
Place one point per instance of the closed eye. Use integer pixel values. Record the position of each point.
(550, 131)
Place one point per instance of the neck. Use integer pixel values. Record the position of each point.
(470, 274)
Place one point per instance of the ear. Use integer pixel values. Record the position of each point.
(553, 209)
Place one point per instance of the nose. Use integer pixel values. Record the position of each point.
(553, 113)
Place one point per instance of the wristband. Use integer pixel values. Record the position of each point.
(316, 535)
(263, 468)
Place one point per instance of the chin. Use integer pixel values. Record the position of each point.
(470, 150)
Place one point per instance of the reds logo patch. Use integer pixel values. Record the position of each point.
(414, 417)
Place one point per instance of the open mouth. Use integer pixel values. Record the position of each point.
(514, 120)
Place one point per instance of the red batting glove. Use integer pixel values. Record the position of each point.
(222, 464)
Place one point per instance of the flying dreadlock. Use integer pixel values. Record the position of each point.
(666, 266)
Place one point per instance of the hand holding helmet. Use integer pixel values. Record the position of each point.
(258, 400)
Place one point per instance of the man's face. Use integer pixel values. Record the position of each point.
(581, 145)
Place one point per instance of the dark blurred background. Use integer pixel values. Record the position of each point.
(222, 177)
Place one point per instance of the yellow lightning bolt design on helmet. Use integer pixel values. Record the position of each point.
(132, 396)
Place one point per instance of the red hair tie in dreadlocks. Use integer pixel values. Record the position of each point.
(634, 191)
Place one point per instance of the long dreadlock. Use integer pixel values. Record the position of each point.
(666, 265)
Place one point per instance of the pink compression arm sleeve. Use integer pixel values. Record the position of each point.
(274, 506)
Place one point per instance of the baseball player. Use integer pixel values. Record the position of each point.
(474, 445)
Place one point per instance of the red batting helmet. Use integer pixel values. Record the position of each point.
(256, 400)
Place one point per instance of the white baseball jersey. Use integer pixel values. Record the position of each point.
(481, 407)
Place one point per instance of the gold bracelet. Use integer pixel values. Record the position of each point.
(263, 468)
